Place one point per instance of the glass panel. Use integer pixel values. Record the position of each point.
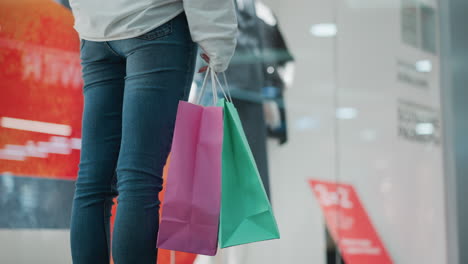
(390, 148)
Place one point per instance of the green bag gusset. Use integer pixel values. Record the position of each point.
(246, 214)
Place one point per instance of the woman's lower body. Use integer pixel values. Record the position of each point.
(131, 92)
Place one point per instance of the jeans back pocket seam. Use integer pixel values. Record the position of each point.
(157, 32)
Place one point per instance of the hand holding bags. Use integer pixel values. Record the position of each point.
(202, 193)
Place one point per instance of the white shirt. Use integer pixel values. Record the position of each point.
(212, 23)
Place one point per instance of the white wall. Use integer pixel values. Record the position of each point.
(400, 181)
(41, 246)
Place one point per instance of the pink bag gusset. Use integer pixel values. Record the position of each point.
(190, 212)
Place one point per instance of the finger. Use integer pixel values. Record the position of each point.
(205, 57)
(203, 69)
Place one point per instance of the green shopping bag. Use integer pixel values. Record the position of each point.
(246, 214)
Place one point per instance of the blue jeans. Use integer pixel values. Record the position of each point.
(131, 92)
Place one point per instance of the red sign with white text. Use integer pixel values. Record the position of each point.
(41, 90)
(349, 224)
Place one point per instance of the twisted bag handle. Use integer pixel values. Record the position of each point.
(214, 83)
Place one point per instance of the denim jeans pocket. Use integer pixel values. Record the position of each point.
(159, 32)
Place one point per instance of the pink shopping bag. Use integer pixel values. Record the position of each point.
(190, 212)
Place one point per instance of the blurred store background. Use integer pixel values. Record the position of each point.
(354, 110)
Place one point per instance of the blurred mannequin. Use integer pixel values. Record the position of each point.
(278, 69)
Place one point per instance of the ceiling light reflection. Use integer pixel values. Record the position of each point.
(423, 66)
(324, 30)
(346, 113)
(425, 129)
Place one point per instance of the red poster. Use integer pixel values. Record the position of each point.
(41, 90)
(349, 224)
